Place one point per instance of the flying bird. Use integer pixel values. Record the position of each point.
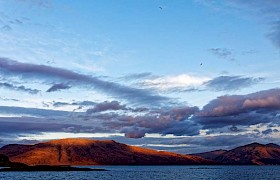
(160, 7)
(200, 64)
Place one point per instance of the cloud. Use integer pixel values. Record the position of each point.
(12, 110)
(57, 87)
(185, 83)
(274, 34)
(138, 76)
(233, 110)
(17, 126)
(234, 129)
(32, 71)
(132, 122)
(6, 28)
(269, 11)
(38, 3)
(189, 83)
(162, 121)
(169, 83)
(105, 106)
(78, 103)
(269, 131)
(208, 143)
(222, 53)
(9, 99)
(231, 83)
(18, 88)
(134, 132)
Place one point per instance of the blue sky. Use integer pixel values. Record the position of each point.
(172, 75)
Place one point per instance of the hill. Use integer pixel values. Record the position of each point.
(251, 154)
(212, 155)
(94, 152)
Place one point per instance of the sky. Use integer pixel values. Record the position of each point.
(183, 76)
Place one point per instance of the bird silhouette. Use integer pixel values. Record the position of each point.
(160, 7)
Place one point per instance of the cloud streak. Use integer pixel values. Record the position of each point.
(231, 83)
(18, 88)
(222, 53)
(32, 71)
(105, 106)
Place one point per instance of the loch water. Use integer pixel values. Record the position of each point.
(156, 172)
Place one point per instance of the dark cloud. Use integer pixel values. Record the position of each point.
(58, 87)
(32, 71)
(104, 106)
(231, 83)
(6, 28)
(222, 53)
(16, 21)
(234, 129)
(251, 109)
(18, 88)
(269, 131)
(162, 121)
(134, 132)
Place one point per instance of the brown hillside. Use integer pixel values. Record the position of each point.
(94, 152)
(250, 154)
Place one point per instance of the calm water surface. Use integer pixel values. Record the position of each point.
(156, 172)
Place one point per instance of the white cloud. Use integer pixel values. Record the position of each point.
(177, 81)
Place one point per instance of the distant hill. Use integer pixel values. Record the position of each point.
(94, 152)
(251, 154)
(212, 155)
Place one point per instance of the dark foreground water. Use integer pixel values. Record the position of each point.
(156, 172)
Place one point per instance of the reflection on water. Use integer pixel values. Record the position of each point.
(156, 172)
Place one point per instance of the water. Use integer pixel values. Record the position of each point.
(156, 172)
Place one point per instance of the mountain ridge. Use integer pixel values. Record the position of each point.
(81, 151)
